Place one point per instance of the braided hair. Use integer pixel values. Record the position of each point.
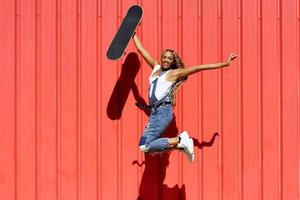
(177, 64)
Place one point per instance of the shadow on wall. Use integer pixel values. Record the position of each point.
(152, 185)
(123, 86)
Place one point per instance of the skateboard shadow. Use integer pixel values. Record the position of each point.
(152, 185)
(123, 86)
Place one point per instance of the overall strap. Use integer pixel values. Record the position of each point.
(166, 98)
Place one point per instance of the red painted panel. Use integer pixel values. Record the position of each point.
(251, 100)
(290, 84)
(48, 90)
(67, 82)
(69, 127)
(28, 100)
(212, 168)
(8, 128)
(110, 129)
(88, 88)
(270, 102)
(231, 91)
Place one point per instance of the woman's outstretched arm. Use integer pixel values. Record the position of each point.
(191, 70)
(151, 62)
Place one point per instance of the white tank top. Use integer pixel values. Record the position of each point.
(159, 86)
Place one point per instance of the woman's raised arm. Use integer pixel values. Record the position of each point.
(151, 62)
(191, 70)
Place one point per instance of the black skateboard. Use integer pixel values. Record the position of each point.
(125, 32)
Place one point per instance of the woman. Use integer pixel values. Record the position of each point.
(166, 77)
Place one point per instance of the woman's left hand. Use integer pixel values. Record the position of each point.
(231, 58)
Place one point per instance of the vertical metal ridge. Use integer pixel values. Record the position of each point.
(78, 98)
(119, 122)
(240, 100)
(200, 96)
(220, 95)
(139, 112)
(159, 48)
(298, 94)
(99, 98)
(180, 49)
(16, 96)
(160, 27)
(297, 11)
(260, 98)
(279, 95)
(58, 98)
(37, 97)
(180, 96)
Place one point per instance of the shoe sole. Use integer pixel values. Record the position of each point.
(192, 156)
(190, 147)
(189, 155)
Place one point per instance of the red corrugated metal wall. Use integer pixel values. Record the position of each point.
(69, 128)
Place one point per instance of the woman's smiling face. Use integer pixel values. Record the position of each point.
(167, 60)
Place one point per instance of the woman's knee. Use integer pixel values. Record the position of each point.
(143, 145)
(158, 145)
(144, 148)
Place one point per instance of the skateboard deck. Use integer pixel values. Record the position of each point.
(125, 32)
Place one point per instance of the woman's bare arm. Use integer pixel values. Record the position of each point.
(191, 70)
(151, 62)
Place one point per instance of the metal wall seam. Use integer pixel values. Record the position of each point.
(279, 95)
(159, 47)
(180, 95)
(240, 101)
(260, 97)
(159, 27)
(298, 92)
(37, 97)
(119, 122)
(140, 114)
(220, 96)
(200, 94)
(78, 97)
(58, 99)
(17, 96)
(99, 103)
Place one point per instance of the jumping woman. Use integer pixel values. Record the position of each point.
(166, 77)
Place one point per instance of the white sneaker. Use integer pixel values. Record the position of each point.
(191, 156)
(187, 144)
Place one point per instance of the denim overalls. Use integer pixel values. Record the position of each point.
(161, 115)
